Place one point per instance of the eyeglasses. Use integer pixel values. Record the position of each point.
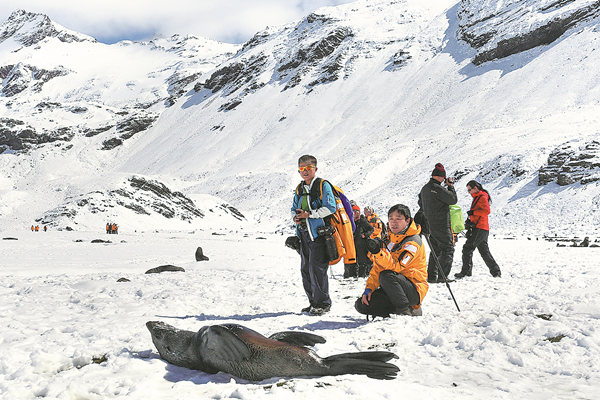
(306, 168)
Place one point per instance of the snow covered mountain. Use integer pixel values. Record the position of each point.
(505, 92)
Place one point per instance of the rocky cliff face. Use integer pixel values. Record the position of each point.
(573, 162)
(498, 28)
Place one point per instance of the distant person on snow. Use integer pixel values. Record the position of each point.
(308, 214)
(478, 232)
(37, 228)
(32, 228)
(108, 227)
(363, 231)
(115, 229)
(397, 283)
(434, 201)
(375, 222)
(45, 228)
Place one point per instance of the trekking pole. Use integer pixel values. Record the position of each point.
(440, 270)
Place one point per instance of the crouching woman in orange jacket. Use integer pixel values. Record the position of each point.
(397, 283)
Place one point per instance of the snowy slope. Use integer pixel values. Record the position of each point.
(378, 90)
(406, 95)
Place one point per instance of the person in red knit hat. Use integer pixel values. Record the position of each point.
(434, 200)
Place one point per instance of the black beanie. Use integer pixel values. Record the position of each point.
(439, 170)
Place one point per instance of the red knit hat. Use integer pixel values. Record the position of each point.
(439, 170)
(355, 207)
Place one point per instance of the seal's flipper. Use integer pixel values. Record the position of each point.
(370, 363)
(365, 355)
(298, 338)
(221, 344)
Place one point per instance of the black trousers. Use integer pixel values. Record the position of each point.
(478, 240)
(442, 243)
(363, 264)
(313, 267)
(396, 292)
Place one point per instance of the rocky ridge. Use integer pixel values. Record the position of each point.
(43, 114)
(145, 197)
(542, 22)
(28, 29)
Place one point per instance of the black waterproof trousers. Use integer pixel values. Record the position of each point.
(478, 240)
(396, 293)
(364, 264)
(313, 267)
(442, 243)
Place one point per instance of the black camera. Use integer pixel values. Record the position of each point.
(326, 233)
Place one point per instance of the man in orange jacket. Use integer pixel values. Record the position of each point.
(397, 283)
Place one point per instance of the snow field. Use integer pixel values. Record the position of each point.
(62, 307)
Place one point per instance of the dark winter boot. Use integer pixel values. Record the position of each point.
(350, 270)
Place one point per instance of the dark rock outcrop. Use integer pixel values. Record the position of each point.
(13, 238)
(165, 268)
(234, 76)
(126, 128)
(123, 280)
(177, 86)
(21, 77)
(494, 33)
(300, 63)
(572, 162)
(17, 136)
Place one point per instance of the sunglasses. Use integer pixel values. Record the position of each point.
(306, 168)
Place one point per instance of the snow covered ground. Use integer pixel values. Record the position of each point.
(62, 307)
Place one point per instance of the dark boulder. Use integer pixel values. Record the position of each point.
(164, 268)
(9, 238)
(123, 280)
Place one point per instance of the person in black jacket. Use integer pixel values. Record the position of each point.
(363, 231)
(434, 200)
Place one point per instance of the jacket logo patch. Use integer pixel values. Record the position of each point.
(410, 247)
(406, 260)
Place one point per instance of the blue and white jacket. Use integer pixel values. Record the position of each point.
(318, 208)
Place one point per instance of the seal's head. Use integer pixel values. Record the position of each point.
(176, 346)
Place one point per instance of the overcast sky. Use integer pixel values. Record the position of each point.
(232, 21)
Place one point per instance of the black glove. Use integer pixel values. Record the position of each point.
(374, 245)
(421, 220)
(470, 212)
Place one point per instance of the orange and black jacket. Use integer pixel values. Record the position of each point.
(481, 209)
(405, 254)
(376, 224)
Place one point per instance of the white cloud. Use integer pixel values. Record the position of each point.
(225, 20)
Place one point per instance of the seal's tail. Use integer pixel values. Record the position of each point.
(370, 363)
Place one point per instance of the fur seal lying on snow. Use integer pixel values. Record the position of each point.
(249, 355)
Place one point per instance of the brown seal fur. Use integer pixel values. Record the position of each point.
(247, 354)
